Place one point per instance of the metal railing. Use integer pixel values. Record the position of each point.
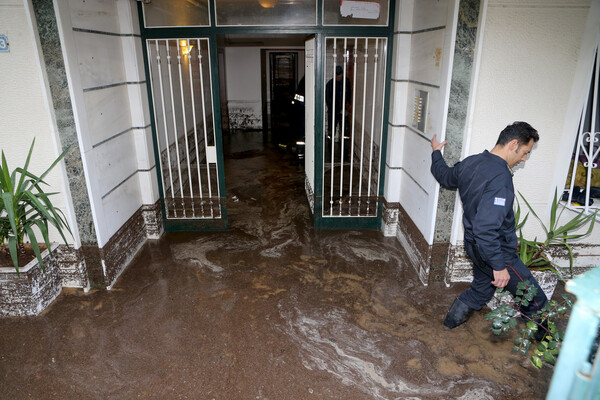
(584, 183)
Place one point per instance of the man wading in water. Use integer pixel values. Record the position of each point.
(485, 186)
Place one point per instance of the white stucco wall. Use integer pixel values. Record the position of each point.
(24, 108)
(527, 68)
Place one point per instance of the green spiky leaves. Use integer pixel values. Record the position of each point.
(534, 252)
(25, 209)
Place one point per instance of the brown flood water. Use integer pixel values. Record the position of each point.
(270, 309)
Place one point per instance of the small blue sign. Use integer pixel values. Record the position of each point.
(4, 48)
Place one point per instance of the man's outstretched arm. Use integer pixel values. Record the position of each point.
(446, 176)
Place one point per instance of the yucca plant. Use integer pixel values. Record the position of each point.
(534, 252)
(24, 207)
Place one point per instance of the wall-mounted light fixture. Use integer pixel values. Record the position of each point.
(267, 3)
(185, 48)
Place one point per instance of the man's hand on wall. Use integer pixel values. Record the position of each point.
(435, 145)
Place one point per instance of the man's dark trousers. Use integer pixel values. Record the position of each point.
(482, 290)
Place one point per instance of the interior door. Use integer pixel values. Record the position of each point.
(187, 142)
(283, 68)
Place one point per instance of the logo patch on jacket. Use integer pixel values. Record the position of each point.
(499, 201)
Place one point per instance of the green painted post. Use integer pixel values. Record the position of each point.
(573, 378)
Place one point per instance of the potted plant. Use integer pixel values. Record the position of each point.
(24, 209)
(536, 253)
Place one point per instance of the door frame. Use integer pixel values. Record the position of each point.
(320, 32)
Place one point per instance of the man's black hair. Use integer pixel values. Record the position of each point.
(521, 131)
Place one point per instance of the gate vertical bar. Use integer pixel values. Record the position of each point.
(193, 98)
(593, 138)
(201, 70)
(332, 112)
(353, 126)
(174, 126)
(376, 56)
(162, 98)
(343, 126)
(381, 127)
(362, 140)
(185, 134)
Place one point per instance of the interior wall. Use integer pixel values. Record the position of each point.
(243, 80)
(107, 80)
(26, 114)
(421, 59)
(243, 84)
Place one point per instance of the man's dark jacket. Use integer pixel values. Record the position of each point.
(485, 185)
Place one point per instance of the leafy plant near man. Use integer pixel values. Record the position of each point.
(543, 326)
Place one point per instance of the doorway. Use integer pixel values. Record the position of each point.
(283, 80)
(259, 77)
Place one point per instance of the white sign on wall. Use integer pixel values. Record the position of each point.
(4, 48)
(359, 9)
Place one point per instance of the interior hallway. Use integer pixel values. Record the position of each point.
(270, 309)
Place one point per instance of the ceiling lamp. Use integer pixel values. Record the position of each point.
(267, 3)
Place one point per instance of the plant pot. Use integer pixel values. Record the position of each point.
(33, 290)
(546, 279)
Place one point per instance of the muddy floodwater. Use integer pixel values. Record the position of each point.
(270, 309)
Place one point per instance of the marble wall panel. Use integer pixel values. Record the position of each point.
(144, 148)
(128, 17)
(94, 15)
(395, 143)
(132, 48)
(138, 104)
(404, 15)
(100, 59)
(148, 186)
(429, 14)
(393, 178)
(417, 160)
(115, 161)
(462, 70)
(45, 18)
(399, 105)
(121, 204)
(435, 111)
(402, 51)
(107, 112)
(415, 199)
(426, 56)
